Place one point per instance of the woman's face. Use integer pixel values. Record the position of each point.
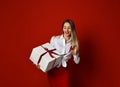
(67, 29)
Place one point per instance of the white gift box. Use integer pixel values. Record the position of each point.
(45, 57)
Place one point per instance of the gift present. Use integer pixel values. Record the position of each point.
(45, 56)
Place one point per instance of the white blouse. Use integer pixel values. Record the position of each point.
(58, 42)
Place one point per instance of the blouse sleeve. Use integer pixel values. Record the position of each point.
(76, 58)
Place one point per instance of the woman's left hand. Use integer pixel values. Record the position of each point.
(75, 50)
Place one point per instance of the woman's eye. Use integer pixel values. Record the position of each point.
(64, 28)
(69, 28)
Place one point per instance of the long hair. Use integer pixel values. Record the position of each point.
(73, 33)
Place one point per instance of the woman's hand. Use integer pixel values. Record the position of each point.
(76, 55)
(75, 50)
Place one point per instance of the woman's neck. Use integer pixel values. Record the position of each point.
(66, 38)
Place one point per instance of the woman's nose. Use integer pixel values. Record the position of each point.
(67, 30)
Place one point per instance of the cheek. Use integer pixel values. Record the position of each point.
(70, 31)
(63, 30)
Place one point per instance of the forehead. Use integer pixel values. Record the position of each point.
(66, 24)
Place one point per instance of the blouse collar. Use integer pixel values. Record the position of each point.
(62, 37)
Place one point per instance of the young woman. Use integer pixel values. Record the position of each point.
(67, 45)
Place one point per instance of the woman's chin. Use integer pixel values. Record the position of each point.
(67, 35)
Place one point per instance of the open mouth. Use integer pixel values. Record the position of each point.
(67, 32)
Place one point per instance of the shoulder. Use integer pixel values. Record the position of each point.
(56, 37)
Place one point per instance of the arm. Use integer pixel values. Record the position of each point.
(76, 55)
(76, 58)
(52, 42)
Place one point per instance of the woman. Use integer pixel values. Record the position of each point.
(67, 45)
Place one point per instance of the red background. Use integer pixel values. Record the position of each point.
(25, 24)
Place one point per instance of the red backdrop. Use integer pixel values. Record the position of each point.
(26, 24)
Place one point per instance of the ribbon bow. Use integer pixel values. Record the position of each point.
(50, 52)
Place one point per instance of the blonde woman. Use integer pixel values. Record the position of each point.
(67, 45)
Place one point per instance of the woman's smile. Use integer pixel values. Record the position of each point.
(67, 29)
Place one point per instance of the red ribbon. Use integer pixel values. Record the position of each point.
(71, 48)
(50, 52)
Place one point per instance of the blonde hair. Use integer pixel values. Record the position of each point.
(75, 42)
